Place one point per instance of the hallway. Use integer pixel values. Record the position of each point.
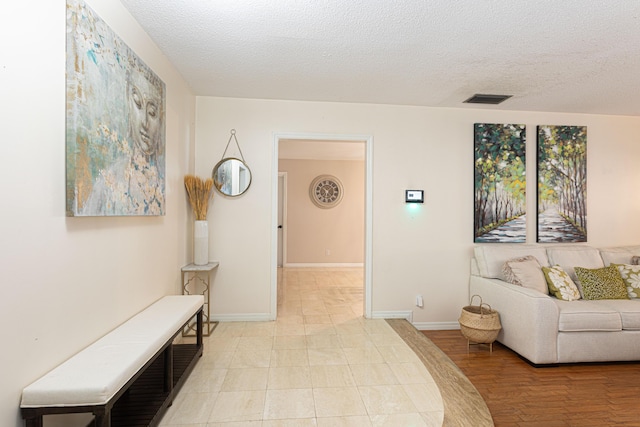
(320, 295)
(319, 364)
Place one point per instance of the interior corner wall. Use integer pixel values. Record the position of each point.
(419, 249)
(317, 236)
(67, 281)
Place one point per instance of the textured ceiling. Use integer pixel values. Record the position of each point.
(552, 55)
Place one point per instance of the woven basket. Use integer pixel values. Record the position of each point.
(479, 323)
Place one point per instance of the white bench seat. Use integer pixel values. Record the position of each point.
(97, 374)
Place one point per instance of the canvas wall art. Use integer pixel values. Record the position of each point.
(115, 123)
(562, 184)
(499, 183)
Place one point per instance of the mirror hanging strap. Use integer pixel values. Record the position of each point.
(233, 136)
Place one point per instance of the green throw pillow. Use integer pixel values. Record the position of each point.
(602, 283)
(631, 276)
(560, 284)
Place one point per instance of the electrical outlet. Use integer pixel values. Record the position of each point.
(419, 301)
(327, 252)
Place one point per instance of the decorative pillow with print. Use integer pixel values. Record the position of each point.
(635, 260)
(601, 283)
(631, 276)
(526, 272)
(560, 284)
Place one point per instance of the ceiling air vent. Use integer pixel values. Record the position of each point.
(487, 99)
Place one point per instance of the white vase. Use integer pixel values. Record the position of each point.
(201, 243)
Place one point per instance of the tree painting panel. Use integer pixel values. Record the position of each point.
(499, 183)
(115, 117)
(562, 184)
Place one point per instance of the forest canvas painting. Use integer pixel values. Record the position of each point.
(562, 184)
(499, 183)
(115, 123)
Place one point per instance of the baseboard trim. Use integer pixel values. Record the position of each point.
(436, 326)
(249, 317)
(322, 265)
(408, 315)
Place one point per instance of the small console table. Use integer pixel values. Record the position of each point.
(196, 279)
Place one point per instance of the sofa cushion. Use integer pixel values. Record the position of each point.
(629, 311)
(560, 284)
(631, 276)
(491, 257)
(601, 283)
(579, 316)
(569, 257)
(618, 255)
(526, 272)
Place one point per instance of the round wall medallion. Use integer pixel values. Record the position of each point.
(326, 191)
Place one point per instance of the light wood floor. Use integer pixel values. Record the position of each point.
(521, 395)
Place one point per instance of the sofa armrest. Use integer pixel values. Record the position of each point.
(529, 318)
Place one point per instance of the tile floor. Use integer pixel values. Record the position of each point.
(319, 364)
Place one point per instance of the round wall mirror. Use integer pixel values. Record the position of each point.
(231, 177)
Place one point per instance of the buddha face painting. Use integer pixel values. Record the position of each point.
(145, 114)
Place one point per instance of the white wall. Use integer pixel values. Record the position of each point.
(67, 281)
(422, 251)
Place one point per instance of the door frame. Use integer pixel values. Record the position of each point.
(282, 199)
(368, 232)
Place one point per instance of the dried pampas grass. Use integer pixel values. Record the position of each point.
(199, 193)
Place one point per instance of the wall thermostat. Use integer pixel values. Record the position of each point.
(414, 196)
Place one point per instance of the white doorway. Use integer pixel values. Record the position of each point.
(279, 213)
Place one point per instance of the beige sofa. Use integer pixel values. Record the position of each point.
(546, 330)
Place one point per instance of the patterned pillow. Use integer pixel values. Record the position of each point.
(635, 260)
(526, 272)
(602, 283)
(631, 276)
(560, 284)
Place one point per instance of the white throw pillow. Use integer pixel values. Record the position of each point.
(526, 272)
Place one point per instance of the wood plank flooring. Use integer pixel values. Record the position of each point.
(518, 394)
(463, 405)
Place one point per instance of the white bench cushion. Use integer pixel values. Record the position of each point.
(94, 376)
